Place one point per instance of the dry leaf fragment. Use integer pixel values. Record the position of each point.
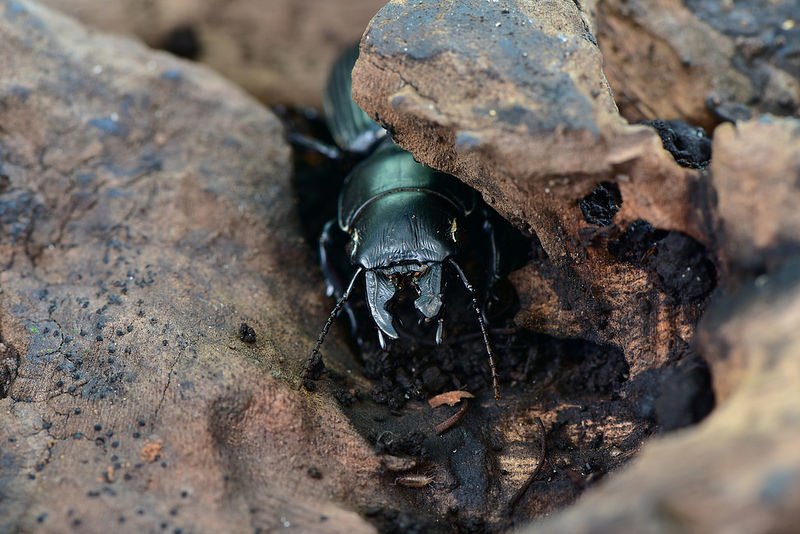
(451, 398)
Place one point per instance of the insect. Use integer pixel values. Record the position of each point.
(414, 480)
(400, 226)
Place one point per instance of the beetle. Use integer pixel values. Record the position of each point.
(399, 223)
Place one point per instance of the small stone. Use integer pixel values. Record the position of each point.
(247, 333)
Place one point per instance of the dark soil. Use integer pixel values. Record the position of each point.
(183, 41)
(689, 145)
(600, 206)
(679, 264)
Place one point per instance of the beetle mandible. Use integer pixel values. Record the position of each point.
(402, 220)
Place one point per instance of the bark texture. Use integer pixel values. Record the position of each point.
(511, 97)
(158, 296)
(135, 238)
(702, 61)
(737, 470)
(517, 105)
(278, 50)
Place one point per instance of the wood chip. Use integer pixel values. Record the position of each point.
(151, 451)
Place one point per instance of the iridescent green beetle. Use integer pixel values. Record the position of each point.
(401, 219)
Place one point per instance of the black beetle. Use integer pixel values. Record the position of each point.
(399, 222)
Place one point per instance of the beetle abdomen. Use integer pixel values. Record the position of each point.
(352, 129)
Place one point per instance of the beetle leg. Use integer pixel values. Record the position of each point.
(309, 143)
(337, 271)
(380, 291)
(334, 284)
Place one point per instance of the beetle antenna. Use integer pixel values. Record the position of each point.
(474, 295)
(314, 364)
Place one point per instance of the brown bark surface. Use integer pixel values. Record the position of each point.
(534, 128)
(736, 471)
(278, 50)
(145, 213)
(446, 99)
(701, 60)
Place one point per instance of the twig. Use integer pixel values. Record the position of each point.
(542, 453)
(445, 425)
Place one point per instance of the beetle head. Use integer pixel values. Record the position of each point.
(402, 240)
(383, 283)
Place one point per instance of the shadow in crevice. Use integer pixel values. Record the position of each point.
(9, 367)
